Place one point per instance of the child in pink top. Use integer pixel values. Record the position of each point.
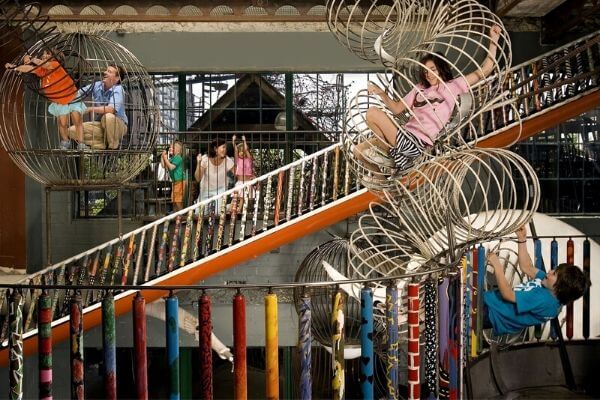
(244, 162)
(430, 104)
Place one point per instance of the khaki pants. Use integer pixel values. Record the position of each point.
(97, 134)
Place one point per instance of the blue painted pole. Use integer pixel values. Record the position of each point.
(366, 342)
(481, 288)
(539, 264)
(172, 330)
(553, 265)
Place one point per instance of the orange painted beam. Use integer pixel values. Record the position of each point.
(202, 269)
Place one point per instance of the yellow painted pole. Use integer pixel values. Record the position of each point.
(272, 346)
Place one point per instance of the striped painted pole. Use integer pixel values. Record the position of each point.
(586, 295)
(553, 265)
(139, 346)
(539, 265)
(430, 333)
(453, 336)
(240, 376)
(204, 346)
(172, 334)
(305, 347)
(467, 308)
(338, 381)
(366, 343)
(475, 295)
(570, 260)
(271, 347)
(15, 345)
(391, 316)
(109, 347)
(413, 363)
(45, 346)
(443, 336)
(77, 365)
(481, 285)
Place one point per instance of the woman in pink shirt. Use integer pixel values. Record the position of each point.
(430, 103)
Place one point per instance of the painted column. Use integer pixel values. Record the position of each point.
(139, 346)
(337, 345)
(553, 265)
(172, 334)
(391, 316)
(586, 295)
(77, 365)
(366, 343)
(271, 347)
(15, 345)
(205, 348)
(475, 302)
(443, 336)
(481, 286)
(305, 347)
(240, 384)
(45, 346)
(109, 347)
(570, 260)
(414, 364)
(431, 360)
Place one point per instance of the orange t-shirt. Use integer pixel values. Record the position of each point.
(56, 84)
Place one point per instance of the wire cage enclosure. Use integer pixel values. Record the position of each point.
(71, 71)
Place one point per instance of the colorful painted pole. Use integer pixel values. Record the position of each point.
(586, 295)
(338, 381)
(109, 347)
(391, 316)
(305, 347)
(443, 336)
(431, 363)
(475, 283)
(467, 306)
(240, 383)
(570, 260)
(481, 286)
(553, 265)
(77, 365)
(45, 346)
(15, 345)
(413, 363)
(139, 346)
(453, 337)
(272, 347)
(539, 264)
(204, 344)
(172, 334)
(366, 343)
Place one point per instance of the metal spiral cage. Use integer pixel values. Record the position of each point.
(30, 133)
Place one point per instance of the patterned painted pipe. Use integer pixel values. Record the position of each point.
(391, 317)
(267, 202)
(150, 258)
(414, 364)
(15, 345)
(138, 260)
(338, 380)
(553, 265)
(290, 194)
(481, 286)
(240, 383)
(305, 347)
(301, 188)
(139, 347)
(235, 200)
(539, 264)
(109, 347)
(255, 211)
(221, 227)
(204, 343)
(128, 257)
(570, 260)
(162, 249)
(172, 336)
(174, 244)
(77, 364)
(245, 207)
(187, 233)
(198, 235)
(271, 347)
(278, 197)
(89, 296)
(324, 179)
(45, 346)
(475, 288)
(430, 334)
(366, 343)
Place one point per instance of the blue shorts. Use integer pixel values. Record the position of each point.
(66, 109)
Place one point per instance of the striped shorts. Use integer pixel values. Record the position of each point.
(408, 147)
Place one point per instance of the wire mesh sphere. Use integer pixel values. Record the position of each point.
(444, 206)
(78, 109)
(333, 254)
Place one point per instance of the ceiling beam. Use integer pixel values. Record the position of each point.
(507, 6)
(568, 15)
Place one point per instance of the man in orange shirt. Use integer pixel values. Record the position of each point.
(58, 87)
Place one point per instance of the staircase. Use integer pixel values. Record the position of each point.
(293, 201)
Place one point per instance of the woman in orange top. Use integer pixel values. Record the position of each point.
(58, 87)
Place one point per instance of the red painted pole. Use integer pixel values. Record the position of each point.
(414, 363)
(139, 346)
(77, 365)
(205, 333)
(570, 260)
(240, 385)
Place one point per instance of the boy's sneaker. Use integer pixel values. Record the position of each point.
(373, 181)
(82, 146)
(65, 145)
(376, 157)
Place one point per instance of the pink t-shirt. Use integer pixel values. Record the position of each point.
(429, 116)
(244, 166)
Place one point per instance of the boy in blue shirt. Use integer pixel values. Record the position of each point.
(508, 310)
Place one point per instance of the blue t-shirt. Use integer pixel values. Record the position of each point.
(111, 97)
(534, 305)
